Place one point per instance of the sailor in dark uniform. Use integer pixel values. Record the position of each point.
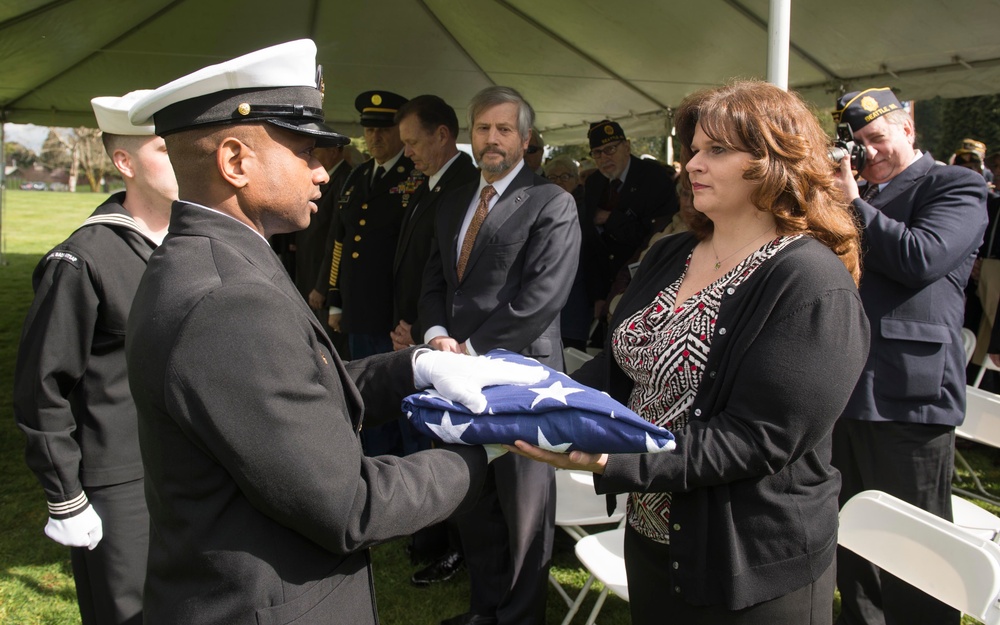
(71, 394)
(262, 507)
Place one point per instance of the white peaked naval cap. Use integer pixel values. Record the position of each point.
(112, 114)
(280, 85)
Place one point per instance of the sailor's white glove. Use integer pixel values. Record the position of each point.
(83, 530)
(462, 378)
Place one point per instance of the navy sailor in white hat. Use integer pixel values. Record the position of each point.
(71, 395)
(262, 505)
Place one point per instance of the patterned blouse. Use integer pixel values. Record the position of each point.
(664, 348)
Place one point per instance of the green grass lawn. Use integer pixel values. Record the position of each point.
(36, 585)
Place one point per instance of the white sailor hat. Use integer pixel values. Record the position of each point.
(112, 114)
(280, 85)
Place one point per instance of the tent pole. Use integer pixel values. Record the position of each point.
(778, 37)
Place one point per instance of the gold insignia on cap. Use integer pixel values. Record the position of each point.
(869, 103)
(243, 109)
(609, 129)
(376, 99)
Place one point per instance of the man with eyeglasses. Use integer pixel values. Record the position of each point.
(626, 204)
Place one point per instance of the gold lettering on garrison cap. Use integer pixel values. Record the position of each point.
(604, 132)
(860, 108)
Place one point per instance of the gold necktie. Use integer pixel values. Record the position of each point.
(477, 221)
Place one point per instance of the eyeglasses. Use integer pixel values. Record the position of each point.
(532, 149)
(562, 177)
(608, 150)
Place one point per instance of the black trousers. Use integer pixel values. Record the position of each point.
(110, 577)
(653, 603)
(913, 462)
(507, 540)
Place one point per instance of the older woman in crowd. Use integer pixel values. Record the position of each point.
(745, 337)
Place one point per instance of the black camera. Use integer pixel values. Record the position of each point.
(845, 145)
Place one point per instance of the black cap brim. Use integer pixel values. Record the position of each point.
(325, 136)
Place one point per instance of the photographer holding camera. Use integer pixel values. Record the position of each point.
(922, 224)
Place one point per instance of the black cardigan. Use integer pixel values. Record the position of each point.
(754, 511)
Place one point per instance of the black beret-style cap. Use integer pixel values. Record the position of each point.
(860, 108)
(378, 108)
(604, 132)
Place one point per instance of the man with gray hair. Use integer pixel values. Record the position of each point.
(506, 254)
(922, 224)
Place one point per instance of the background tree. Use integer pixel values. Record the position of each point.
(55, 153)
(17, 155)
(88, 150)
(942, 124)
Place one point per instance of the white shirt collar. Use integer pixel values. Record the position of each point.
(388, 165)
(433, 180)
(226, 215)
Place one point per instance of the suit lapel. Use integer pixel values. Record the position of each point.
(455, 216)
(904, 180)
(512, 199)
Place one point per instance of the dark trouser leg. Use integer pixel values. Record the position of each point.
(507, 539)
(913, 462)
(109, 578)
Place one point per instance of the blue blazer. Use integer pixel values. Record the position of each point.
(920, 238)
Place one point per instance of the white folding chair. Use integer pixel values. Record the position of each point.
(604, 556)
(975, 520)
(574, 359)
(924, 550)
(986, 364)
(578, 506)
(982, 425)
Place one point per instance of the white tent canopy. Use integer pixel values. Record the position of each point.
(576, 61)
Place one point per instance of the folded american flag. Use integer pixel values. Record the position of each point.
(557, 414)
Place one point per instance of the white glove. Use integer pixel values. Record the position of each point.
(82, 530)
(462, 378)
(494, 451)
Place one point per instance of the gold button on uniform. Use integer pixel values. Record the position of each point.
(357, 237)
(355, 255)
(361, 223)
(364, 207)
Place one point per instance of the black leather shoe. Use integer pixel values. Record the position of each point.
(470, 619)
(441, 570)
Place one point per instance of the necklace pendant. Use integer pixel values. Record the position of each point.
(718, 264)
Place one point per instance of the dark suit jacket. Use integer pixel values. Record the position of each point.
(920, 239)
(518, 275)
(261, 503)
(647, 201)
(370, 216)
(416, 238)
